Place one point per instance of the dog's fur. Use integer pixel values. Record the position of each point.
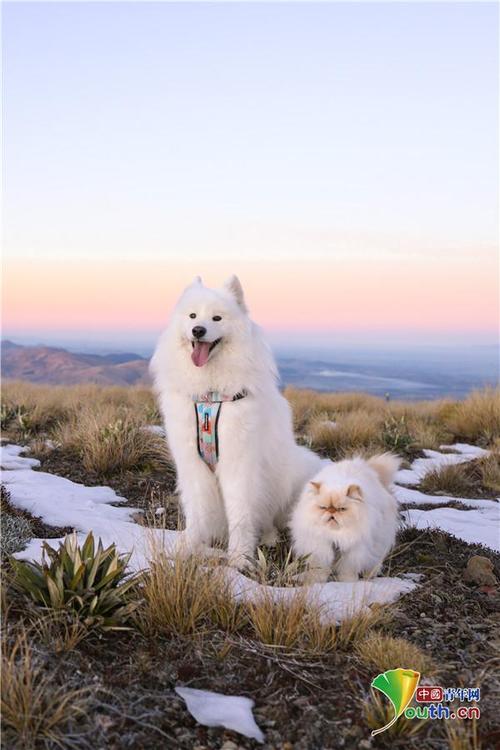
(261, 470)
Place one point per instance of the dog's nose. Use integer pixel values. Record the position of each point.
(199, 332)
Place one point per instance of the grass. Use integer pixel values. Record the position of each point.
(34, 709)
(379, 711)
(468, 479)
(110, 441)
(187, 596)
(297, 622)
(477, 418)
(462, 735)
(382, 652)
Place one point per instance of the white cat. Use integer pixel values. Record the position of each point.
(348, 515)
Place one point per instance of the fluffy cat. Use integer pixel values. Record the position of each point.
(348, 515)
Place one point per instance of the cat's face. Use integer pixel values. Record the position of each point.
(335, 508)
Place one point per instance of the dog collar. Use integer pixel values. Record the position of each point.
(207, 409)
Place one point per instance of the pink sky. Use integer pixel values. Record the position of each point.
(425, 294)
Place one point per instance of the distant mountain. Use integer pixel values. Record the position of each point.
(55, 366)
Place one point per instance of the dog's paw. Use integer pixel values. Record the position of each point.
(239, 561)
(312, 576)
(270, 537)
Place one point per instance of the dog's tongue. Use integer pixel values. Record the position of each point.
(201, 350)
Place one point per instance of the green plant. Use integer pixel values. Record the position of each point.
(90, 582)
(396, 434)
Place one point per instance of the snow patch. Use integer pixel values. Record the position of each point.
(415, 497)
(10, 458)
(480, 526)
(435, 460)
(216, 709)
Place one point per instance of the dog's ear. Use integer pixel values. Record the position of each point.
(233, 286)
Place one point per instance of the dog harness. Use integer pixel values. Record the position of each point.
(207, 409)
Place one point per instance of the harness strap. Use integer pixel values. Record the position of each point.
(207, 410)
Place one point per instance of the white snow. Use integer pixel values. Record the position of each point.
(478, 526)
(10, 458)
(473, 526)
(215, 709)
(434, 460)
(60, 502)
(415, 497)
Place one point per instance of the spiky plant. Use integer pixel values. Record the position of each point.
(91, 583)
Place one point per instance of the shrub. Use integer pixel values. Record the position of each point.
(88, 582)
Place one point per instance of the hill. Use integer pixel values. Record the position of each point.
(57, 366)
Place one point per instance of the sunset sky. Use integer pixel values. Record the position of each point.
(342, 158)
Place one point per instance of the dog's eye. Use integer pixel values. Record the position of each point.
(217, 318)
(192, 315)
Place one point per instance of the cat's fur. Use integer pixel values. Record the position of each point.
(348, 515)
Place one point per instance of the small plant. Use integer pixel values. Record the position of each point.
(7, 414)
(277, 569)
(384, 652)
(379, 711)
(396, 435)
(92, 583)
(187, 596)
(36, 711)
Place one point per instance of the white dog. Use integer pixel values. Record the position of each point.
(228, 427)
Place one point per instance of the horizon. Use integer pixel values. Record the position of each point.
(353, 187)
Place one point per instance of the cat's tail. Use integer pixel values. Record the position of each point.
(385, 465)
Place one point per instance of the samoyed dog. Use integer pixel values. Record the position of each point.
(228, 427)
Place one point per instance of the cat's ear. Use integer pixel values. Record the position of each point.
(316, 486)
(354, 492)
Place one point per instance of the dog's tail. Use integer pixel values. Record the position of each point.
(385, 465)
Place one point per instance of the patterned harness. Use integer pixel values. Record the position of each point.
(207, 409)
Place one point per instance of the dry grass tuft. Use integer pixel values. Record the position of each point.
(296, 622)
(355, 431)
(379, 711)
(111, 441)
(58, 632)
(462, 735)
(468, 479)
(383, 652)
(187, 596)
(477, 418)
(35, 710)
(307, 404)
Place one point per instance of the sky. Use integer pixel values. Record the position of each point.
(342, 158)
